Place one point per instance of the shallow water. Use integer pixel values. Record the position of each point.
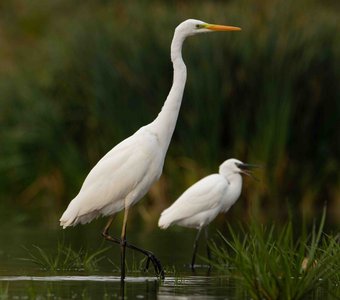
(110, 287)
(21, 279)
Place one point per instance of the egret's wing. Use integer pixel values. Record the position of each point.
(204, 195)
(129, 151)
(125, 172)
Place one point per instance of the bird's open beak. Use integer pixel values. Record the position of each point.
(247, 169)
(222, 27)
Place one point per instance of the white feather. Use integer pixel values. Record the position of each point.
(118, 180)
(192, 209)
(201, 202)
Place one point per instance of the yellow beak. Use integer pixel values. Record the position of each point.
(222, 27)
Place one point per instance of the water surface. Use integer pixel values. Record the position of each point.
(21, 279)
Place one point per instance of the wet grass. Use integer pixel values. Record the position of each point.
(133, 267)
(66, 258)
(269, 262)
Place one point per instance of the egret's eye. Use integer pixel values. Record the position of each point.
(199, 26)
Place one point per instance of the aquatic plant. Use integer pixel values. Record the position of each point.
(271, 264)
(132, 266)
(65, 258)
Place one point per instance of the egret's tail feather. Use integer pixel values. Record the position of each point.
(66, 222)
(70, 216)
(164, 221)
(73, 216)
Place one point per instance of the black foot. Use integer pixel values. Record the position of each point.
(156, 264)
(150, 256)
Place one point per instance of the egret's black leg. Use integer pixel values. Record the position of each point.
(122, 289)
(207, 242)
(150, 256)
(195, 249)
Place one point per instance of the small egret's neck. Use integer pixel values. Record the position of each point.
(234, 178)
(164, 124)
(234, 190)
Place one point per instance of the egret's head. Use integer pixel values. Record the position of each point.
(192, 26)
(235, 166)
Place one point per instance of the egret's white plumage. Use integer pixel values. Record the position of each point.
(201, 202)
(204, 200)
(119, 179)
(125, 174)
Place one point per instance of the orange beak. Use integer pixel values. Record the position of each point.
(222, 27)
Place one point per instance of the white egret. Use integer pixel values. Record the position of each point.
(205, 199)
(124, 175)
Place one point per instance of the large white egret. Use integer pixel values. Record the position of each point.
(124, 175)
(204, 200)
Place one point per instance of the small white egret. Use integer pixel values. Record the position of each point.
(205, 199)
(124, 175)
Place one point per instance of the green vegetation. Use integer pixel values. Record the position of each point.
(133, 266)
(4, 290)
(77, 79)
(269, 263)
(66, 259)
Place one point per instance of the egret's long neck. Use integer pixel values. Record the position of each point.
(163, 126)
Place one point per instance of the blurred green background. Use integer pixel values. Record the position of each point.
(77, 77)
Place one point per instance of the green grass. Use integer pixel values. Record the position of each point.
(268, 261)
(134, 265)
(66, 258)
